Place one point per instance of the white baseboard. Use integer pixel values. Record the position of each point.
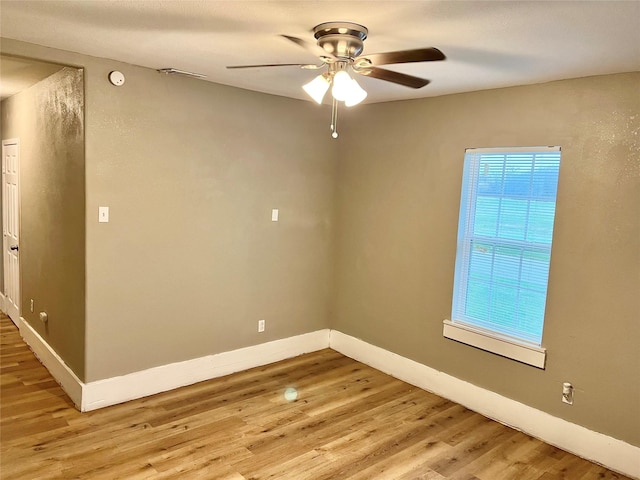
(2, 302)
(103, 393)
(110, 391)
(59, 370)
(608, 451)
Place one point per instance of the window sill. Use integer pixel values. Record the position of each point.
(528, 354)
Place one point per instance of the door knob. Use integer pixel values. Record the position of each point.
(14, 247)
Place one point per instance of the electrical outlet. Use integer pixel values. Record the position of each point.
(567, 393)
(261, 326)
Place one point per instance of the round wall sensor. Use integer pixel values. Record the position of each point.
(116, 78)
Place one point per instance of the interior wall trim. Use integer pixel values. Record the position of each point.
(614, 454)
(610, 452)
(110, 391)
(58, 369)
(103, 393)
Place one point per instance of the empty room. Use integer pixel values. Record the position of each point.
(320, 239)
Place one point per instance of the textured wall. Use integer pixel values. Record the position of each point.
(190, 259)
(399, 193)
(48, 118)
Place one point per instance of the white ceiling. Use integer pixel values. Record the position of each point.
(488, 44)
(18, 74)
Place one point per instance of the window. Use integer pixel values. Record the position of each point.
(507, 211)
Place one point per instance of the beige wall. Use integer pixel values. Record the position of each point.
(399, 193)
(366, 243)
(48, 119)
(190, 259)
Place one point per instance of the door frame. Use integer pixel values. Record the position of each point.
(11, 310)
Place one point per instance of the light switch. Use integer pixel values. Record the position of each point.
(103, 214)
(274, 215)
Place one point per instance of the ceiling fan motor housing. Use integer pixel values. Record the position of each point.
(341, 39)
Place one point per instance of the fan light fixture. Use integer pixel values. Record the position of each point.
(343, 89)
(317, 87)
(339, 47)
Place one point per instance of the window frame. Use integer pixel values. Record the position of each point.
(476, 336)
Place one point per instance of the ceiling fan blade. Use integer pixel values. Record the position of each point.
(404, 56)
(317, 50)
(301, 65)
(394, 77)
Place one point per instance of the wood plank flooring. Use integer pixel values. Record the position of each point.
(349, 421)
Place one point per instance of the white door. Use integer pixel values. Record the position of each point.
(11, 227)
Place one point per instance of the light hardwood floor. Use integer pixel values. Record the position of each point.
(349, 421)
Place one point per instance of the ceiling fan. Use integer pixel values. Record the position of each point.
(339, 47)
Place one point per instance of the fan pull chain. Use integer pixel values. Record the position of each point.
(334, 119)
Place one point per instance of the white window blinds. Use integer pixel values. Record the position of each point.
(505, 231)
